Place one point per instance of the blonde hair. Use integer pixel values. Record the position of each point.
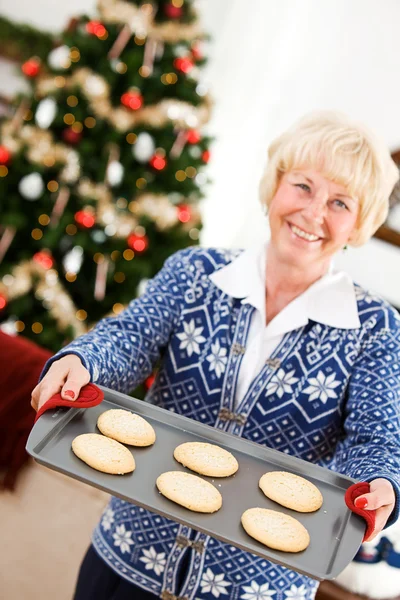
(344, 152)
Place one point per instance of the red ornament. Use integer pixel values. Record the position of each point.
(3, 303)
(85, 218)
(149, 381)
(184, 213)
(31, 67)
(172, 12)
(139, 243)
(44, 259)
(5, 155)
(158, 162)
(71, 137)
(206, 156)
(193, 136)
(132, 100)
(183, 64)
(96, 28)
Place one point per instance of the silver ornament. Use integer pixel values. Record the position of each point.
(46, 112)
(31, 186)
(115, 173)
(144, 147)
(73, 260)
(59, 58)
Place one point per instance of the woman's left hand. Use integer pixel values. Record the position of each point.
(381, 497)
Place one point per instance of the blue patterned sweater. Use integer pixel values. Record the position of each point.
(331, 397)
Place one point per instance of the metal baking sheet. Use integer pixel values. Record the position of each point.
(336, 533)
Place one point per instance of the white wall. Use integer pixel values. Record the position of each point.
(270, 62)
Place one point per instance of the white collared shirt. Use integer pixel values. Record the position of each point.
(331, 300)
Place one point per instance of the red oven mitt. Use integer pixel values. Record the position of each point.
(90, 395)
(355, 490)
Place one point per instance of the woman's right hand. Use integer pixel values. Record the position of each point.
(67, 375)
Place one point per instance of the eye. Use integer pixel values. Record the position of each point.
(303, 186)
(341, 204)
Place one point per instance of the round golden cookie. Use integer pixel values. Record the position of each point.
(275, 530)
(125, 427)
(291, 491)
(206, 459)
(189, 491)
(103, 454)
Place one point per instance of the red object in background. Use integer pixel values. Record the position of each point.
(85, 218)
(139, 243)
(21, 364)
(44, 259)
(3, 301)
(184, 213)
(132, 100)
(193, 136)
(149, 381)
(5, 155)
(205, 156)
(183, 64)
(172, 12)
(158, 162)
(96, 28)
(31, 67)
(71, 137)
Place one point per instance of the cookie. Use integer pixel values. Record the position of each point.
(125, 427)
(291, 491)
(206, 459)
(103, 454)
(189, 491)
(275, 530)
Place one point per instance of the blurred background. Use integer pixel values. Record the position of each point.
(128, 131)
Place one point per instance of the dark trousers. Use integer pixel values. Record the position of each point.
(97, 581)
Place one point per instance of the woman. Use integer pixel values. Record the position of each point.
(306, 359)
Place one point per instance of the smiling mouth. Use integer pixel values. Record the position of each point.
(309, 237)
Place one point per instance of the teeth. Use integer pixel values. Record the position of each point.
(306, 236)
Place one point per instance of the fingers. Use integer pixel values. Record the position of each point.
(381, 516)
(77, 377)
(381, 494)
(44, 391)
(67, 375)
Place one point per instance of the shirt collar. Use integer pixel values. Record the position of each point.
(331, 300)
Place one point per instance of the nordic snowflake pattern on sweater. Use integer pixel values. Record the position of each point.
(331, 397)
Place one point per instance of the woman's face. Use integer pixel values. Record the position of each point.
(311, 218)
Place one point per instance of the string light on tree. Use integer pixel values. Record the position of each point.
(158, 162)
(132, 99)
(138, 243)
(31, 67)
(96, 28)
(184, 213)
(85, 218)
(44, 259)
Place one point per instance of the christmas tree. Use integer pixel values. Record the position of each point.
(101, 167)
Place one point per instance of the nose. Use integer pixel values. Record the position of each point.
(316, 208)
